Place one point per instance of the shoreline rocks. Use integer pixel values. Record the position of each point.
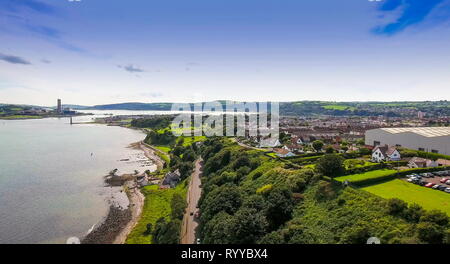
(108, 230)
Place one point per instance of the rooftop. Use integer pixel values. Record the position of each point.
(423, 131)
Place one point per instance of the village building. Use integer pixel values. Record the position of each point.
(385, 153)
(283, 153)
(172, 179)
(443, 162)
(417, 162)
(428, 139)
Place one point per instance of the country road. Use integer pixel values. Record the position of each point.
(194, 192)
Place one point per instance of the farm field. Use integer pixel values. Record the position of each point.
(366, 176)
(427, 198)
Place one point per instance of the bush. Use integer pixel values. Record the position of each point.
(430, 233)
(397, 207)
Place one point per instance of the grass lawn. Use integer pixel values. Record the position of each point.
(165, 149)
(365, 176)
(411, 193)
(272, 155)
(157, 205)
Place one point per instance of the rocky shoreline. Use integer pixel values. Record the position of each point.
(120, 219)
(110, 228)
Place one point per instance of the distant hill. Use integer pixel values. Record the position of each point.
(134, 106)
(311, 108)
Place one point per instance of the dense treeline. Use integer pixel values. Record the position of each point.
(156, 138)
(250, 198)
(168, 232)
(155, 122)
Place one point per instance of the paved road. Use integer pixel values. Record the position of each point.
(189, 221)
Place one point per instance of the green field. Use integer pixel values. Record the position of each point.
(190, 140)
(157, 205)
(366, 176)
(339, 107)
(411, 193)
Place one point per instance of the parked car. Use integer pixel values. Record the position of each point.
(442, 188)
(436, 186)
(447, 182)
(447, 190)
(443, 180)
(429, 185)
(409, 180)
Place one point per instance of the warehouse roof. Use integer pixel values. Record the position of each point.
(423, 131)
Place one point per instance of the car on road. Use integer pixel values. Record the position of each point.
(429, 185)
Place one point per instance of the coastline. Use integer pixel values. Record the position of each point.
(119, 222)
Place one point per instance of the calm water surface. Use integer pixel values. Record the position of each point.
(51, 176)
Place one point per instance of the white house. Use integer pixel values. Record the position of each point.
(385, 153)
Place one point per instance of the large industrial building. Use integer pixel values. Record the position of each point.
(429, 139)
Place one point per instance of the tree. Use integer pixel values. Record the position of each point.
(414, 213)
(218, 229)
(225, 198)
(317, 145)
(279, 203)
(365, 151)
(189, 155)
(273, 238)
(331, 165)
(178, 206)
(167, 232)
(329, 150)
(249, 225)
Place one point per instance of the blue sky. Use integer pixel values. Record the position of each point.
(97, 51)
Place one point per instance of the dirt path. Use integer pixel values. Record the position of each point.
(189, 221)
(136, 206)
(150, 153)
